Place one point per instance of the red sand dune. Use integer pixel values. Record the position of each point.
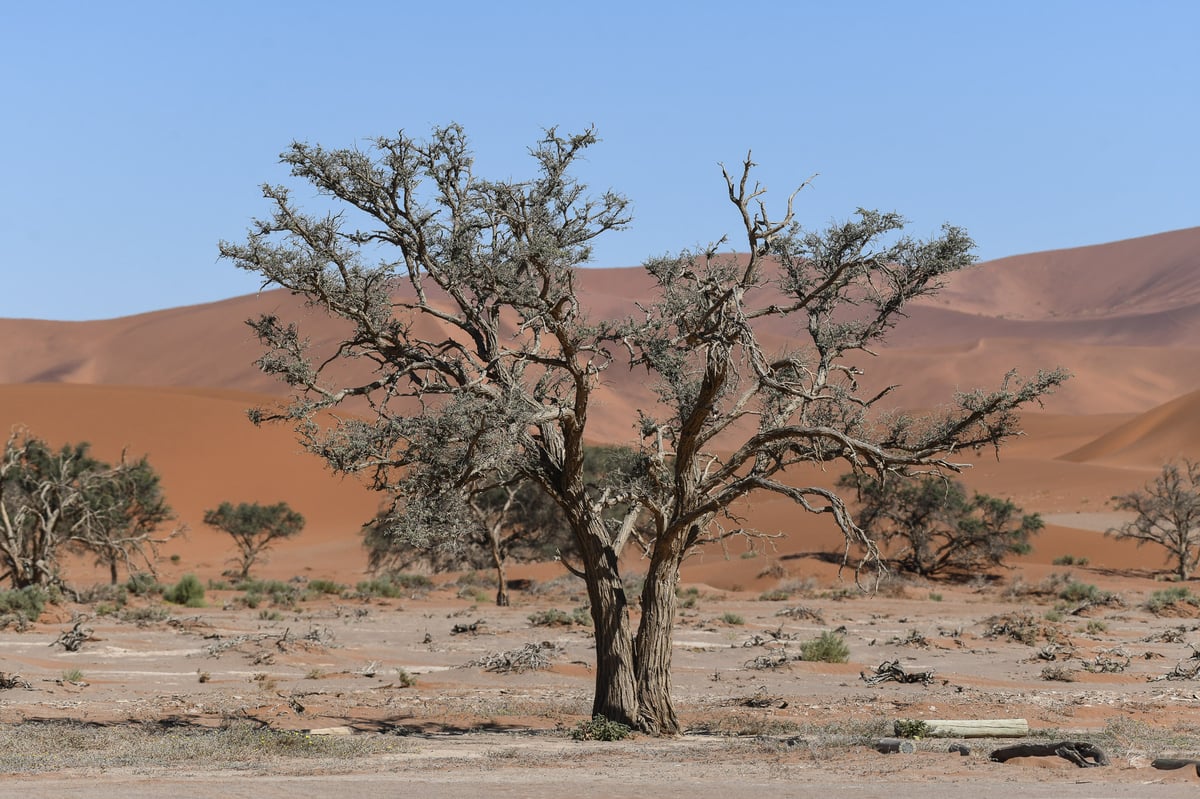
(1123, 317)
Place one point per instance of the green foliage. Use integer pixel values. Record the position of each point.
(189, 591)
(828, 648)
(910, 728)
(27, 603)
(553, 617)
(932, 526)
(394, 585)
(72, 675)
(1076, 591)
(326, 587)
(1070, 560)
(143, 584)
(599, 728)
(732, 618)
(1160, 601)
(254, 527)
(404, 678)
(282, 594)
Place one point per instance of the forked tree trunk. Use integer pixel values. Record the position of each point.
(616, 686)
(656, 712)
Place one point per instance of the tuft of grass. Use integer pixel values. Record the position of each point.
(72, 675)
(1095, 627)
(1163, 600)
(405, 678)
(148, 614)
(25, 603)
(553, 617)
(1076, 591)
(599, 728)
(934, 596)
(394, 585)
(189, 592)
(729, 617)
(326, 587)
(1070, 560)
(828, 648)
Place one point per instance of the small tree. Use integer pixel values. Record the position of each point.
(512, 520)
(254, 528)
(51, 500)
(460, 297)
(930, 526)
(1168, 514)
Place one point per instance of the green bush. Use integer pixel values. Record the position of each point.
(553, 617)
(1076, 591)
(1161, 600)
(326, 587)
(142, 584)
(598, 728)
(189, 591)
(394, 585)
(27, 602)
(829, 648)
(732, 618)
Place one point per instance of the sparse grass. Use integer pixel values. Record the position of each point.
(1161, 601)
(1125, 737)
(72, 675)
(270, 615)
(43, 747)
(142, 584)
(732, 618)
(1070, 560)
(1055, 615)
(1058, 674)
(395, 585)
(404, 678)
(326, 587)
(688, 597)
(315, 674)
(189, 592)
(1075, 591)
(598, 728)
(1095, 627)
(828, 648)
(934, 596)
(144, 615)
(284, 595)
(553, 617)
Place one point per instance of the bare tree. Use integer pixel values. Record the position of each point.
(254, 528)
(1168, 514)
(461, 297)
(51, 500)
(932, 526)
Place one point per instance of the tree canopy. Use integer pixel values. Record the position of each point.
(470, 358)
(254, 528)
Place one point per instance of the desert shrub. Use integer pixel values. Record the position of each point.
(910, 728)
(1058, 674)
(150, 613)
(828, 648)
(1095, 626)
(281, 593)
(598, 728)
(553, 617)
(393, 585)
(404, 678)
(103, 593)
(687, 597)
(775, 595)
(1076, 591)
(1161, 601)
(26, 603)
(732, 618)
(142, 584)
(189, 591)
(72, 675)
(1069, 560)
(326, 587)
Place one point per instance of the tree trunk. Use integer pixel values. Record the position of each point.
(616, 687)
(654, 642)
(112, 570)
(498, 562)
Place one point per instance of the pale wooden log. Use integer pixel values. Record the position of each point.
(972, 728)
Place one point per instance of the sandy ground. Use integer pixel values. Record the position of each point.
(336, 663)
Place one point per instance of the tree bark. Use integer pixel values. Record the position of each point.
(616, 696)
(653, 648)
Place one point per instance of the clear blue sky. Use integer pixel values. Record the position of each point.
(135, 135)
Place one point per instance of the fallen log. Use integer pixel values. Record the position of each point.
(1172, 763)
(1081, 753)
(964, 728)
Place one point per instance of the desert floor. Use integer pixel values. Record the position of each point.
(758, 721)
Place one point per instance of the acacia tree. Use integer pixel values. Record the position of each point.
(932, 526)
(254, 528)
(52, 500)
(1168, 514)
(513, 519)
(461, 297)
